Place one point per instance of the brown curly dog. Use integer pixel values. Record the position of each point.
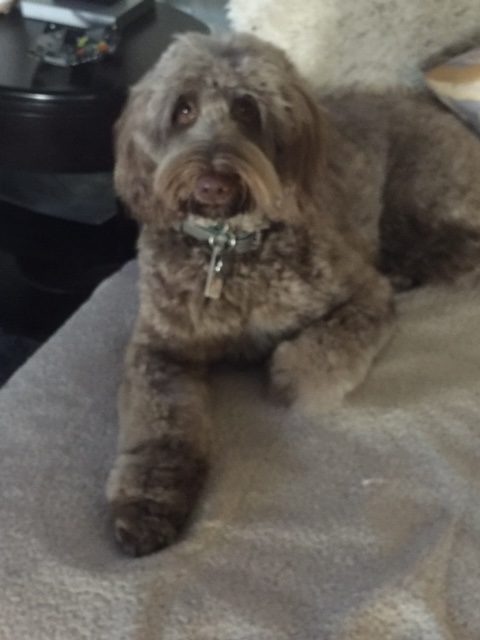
(273, 229)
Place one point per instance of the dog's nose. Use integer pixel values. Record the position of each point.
(216, 188)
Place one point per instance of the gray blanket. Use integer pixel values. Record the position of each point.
(363, 524)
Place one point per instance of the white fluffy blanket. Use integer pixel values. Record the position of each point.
(381, 43)
(359, 525)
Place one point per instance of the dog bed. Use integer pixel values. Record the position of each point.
(361, 524)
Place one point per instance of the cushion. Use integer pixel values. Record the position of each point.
(360, 524)
(457, 84)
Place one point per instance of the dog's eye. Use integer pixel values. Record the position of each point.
(245, 111)
(185, 112)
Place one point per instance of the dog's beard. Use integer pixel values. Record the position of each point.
(258, 183)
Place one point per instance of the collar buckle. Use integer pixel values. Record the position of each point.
(223, 239)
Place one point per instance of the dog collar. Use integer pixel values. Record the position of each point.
(222, 238)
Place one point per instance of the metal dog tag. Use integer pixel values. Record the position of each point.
(214, 285)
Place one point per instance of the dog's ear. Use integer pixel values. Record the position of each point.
(134, 173)
(300, 138)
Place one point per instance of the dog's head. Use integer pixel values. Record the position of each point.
(218, 127)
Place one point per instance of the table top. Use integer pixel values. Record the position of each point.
(55, 119)
(141, 44)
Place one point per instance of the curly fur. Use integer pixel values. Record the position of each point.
(357, 189)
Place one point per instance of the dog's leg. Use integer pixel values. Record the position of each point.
(160, 466)
(332, 356)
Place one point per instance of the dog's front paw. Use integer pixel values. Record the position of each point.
(144, 526)
(301, 377)
(152, 491)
